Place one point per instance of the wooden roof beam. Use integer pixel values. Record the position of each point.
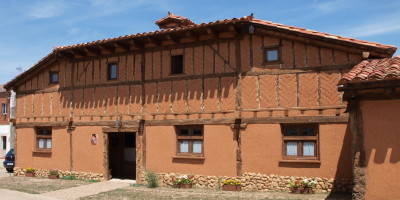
(65, 54)
(172, 37)
(123, 45)
(193, 35)
(136, 44)
(92, 51)
(108, 49)
(79, 52)
(232, 28)
(154, 40)
(212, 32)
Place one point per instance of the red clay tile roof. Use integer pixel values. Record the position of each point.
(374, 70)
(388, 49)
(163, 31)
(249, 19)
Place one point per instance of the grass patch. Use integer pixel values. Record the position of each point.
(68, 177)
(152, 179)
(37, 185)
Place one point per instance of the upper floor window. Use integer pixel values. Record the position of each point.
(4, 108)
(300, 142)
(177, 64)
(53, 77)
(43, 138)
(272, 54)
(112, 71)
(190, 141)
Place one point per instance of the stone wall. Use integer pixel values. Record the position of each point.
(256, 181)
(45, 172)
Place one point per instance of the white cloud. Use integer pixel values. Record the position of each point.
(47, 9)
(330, 6)
(375, 27)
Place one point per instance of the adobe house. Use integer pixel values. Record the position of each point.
(372, 90)
(5, 136)
(238, 97)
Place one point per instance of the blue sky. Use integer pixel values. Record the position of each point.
(30, 29)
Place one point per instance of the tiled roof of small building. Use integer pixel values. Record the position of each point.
(374, 70)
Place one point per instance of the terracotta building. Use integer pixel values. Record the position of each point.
(372, 89)
(236, 97)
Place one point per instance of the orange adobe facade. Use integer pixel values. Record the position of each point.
(227, 98)
(372, 89)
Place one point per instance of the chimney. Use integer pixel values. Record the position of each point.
(173, 21)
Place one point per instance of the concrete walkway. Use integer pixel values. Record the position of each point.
(86, 190)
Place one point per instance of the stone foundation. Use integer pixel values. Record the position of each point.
(256, 181)
(45, 172)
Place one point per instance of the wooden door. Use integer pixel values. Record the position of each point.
(122, 155)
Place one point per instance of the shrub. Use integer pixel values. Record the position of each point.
(30, 170)
(231, 182)
(53, 172)
(184, 179)
(152, 179)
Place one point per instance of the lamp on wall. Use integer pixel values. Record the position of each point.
(118, 123)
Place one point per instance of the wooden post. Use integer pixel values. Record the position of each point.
(358, 150)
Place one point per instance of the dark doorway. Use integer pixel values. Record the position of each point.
(122, 155)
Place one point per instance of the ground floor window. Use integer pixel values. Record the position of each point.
(44, 138)
(300, 142)
(190, 140)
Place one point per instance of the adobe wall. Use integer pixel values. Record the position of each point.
(86, 157)
(26, 155)
(219, 152)
(4, 117)
(382, 142)
(262, 152)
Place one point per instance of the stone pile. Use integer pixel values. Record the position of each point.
(45, 172)
(257, 181)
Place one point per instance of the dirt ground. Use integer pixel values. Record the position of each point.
(37, 185)
(142, 192)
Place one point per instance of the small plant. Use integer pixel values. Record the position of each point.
(295, 183)
(152, 179)
(69, 177)
(307, 183)
(231, 182)
(30, 170)
(53, 172)
(184, 179)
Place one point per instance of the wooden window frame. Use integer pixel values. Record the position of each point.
(45, 137)
(265, 55)
(183, 65)
(109, 71)
(191, 138)
(300, 140)
(51, 73)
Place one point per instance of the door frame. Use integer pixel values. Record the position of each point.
(110, 130)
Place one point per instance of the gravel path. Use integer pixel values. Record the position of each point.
(85, 190)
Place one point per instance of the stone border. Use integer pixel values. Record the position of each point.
(258, 182)
(79, 175)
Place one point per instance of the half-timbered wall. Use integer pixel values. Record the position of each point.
(306, 79)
